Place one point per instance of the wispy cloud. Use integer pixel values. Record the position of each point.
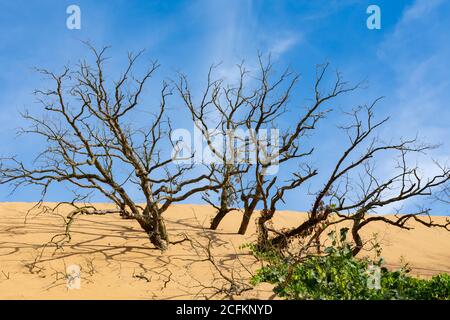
(280, 46)
(417, 52)
(236, 33)
(419, 10)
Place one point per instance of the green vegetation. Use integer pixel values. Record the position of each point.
(337, 274)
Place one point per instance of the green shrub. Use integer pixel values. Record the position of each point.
(339, 275)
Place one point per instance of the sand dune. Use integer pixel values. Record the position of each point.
(118, 262)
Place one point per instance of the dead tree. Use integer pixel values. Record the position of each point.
(265, 110)
(256, 109)
(258, 105)
(226, 181)
(218, 117)
(93, 146)
(354, 191)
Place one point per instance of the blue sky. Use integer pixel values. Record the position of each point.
(407, 60)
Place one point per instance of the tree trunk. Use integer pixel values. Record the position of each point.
(160, 239)
(156, 231)
(263, 233)
(357, 238)
(355, 233)
(244, 223)
(217, 219)
(223, 210)
(248, 211)
(281, 240)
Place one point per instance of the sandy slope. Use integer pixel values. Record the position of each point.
(117, 261)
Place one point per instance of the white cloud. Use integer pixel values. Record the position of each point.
(419, 59)
(417, 52)
(279, 47)
(419, 9)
